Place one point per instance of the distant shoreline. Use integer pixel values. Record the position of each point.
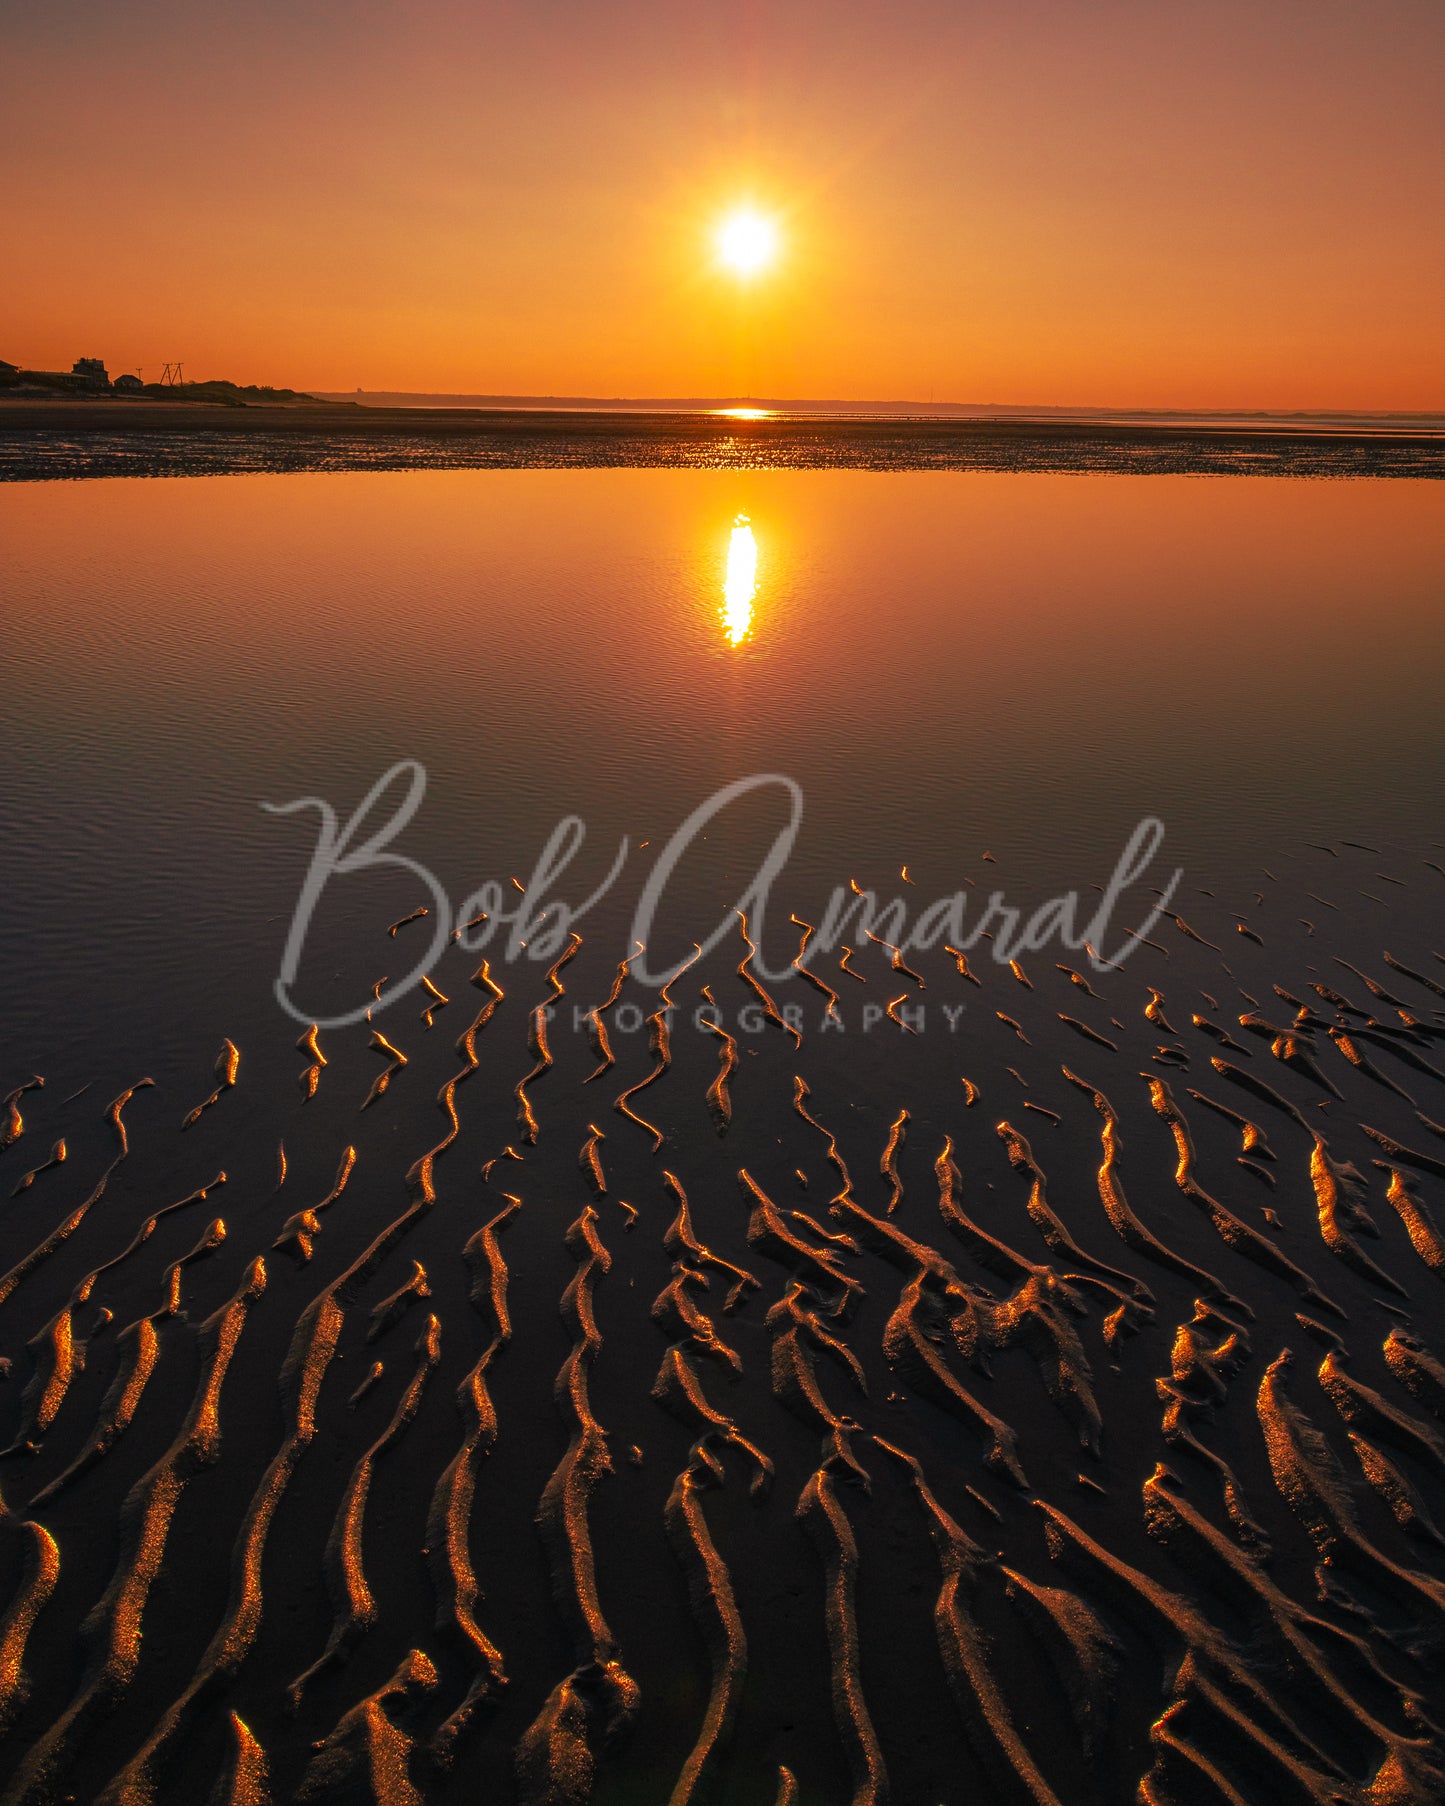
(805, 408)
(75, 437)
(389, 401)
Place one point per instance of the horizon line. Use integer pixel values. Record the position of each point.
(804, 404)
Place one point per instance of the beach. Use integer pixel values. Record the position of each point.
(722, 999)
(115, 436)
(1003, 1362)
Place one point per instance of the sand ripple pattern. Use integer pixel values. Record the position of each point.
(1068, 1431)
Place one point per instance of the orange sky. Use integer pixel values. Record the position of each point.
(1153, 203)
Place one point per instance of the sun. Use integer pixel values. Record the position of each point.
(747, 242)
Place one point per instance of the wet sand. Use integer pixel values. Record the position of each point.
(479, 1404)
(112, 437)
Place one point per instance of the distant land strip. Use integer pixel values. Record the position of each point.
(1371, 419)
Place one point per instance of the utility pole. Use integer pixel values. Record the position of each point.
(171, 376)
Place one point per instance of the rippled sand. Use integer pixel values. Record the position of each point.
(56, 440)
(667, 1416)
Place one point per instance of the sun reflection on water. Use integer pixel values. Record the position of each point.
(740, 585)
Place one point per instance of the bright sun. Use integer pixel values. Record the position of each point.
(747, 242)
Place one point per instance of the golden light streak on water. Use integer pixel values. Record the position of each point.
(740, 585)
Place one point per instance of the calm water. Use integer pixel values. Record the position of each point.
(945, 662)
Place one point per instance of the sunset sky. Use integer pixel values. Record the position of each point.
(1207, 203)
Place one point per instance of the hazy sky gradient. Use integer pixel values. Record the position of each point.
(1204, 203)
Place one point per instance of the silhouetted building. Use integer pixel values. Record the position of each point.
(87, 375)
(128, 385)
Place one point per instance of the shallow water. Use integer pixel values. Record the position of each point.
(1083, 1214)
(944, 663)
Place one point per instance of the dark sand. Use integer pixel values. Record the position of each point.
(42, 438)
(1054, 1414)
